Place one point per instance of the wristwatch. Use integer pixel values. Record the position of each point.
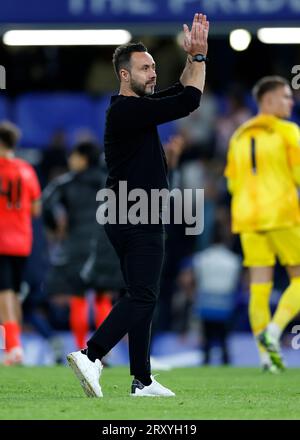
(199, 58)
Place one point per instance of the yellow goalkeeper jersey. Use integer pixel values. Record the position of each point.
(263, 172)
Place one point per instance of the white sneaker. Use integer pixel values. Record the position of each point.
(14, 357)
(155, 389)
(272, 346)
(88, 373)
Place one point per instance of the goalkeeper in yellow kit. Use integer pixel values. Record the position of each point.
(263, 172)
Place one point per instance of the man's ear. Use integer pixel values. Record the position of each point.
(124, 75)
(269, 98)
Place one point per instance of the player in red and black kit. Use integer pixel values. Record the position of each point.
(19, 201)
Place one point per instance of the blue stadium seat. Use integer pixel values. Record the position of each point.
(222, 104)
(101, 106)
(251, 104)
(167, 130)
(41, 114)
(3, 108)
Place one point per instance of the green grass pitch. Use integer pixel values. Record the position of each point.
(47, 393)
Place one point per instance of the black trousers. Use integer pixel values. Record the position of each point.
(141, 252)
(215, 331)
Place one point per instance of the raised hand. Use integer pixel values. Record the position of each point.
(195, 41)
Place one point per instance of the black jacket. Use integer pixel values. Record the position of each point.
(133, 151)
(86, 240)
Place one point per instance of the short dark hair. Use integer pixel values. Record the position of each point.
(267, 84)
(122, 56)
(9, 134)
(90, 150)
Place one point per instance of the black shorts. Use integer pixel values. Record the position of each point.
(11, 272)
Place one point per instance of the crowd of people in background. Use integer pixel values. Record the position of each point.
(72, 260)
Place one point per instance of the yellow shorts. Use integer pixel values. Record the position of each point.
(262, 248)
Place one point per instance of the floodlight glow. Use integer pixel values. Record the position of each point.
(66, 37)
(239, 39)
(279, 35)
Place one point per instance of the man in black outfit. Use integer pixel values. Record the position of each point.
(135, 155)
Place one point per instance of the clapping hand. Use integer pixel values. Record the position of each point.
(195, 41)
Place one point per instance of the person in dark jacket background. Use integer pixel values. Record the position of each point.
(86, 259)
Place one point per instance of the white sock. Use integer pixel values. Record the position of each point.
(265, 358)
(274, 330)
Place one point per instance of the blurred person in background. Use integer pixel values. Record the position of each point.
(174, 244)
(236, 113)
(198, 130)
(86, 258)
(199, 134)
(263, 172)
(19, 202)
(210, 279)
(54, 158)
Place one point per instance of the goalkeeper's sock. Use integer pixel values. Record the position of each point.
(79, 320)
(287, 309)
(12, 335)
(274, 331)
(259, 311)
(264, 356)
(103, 306)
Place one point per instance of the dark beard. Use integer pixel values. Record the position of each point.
(139, 89)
